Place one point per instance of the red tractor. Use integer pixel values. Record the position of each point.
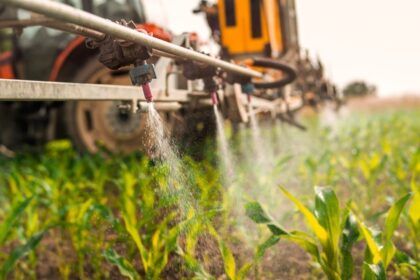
(39, 53)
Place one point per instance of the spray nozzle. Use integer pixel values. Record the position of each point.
(214, 99)
(147, 92)
(248, 89)
(142, 75)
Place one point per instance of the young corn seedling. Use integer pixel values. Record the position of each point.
(333, 232)
(6, 228)
(413, 216)
(380, 248)
(154, 239)
(231, 269)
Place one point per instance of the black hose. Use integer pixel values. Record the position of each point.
(277, 65)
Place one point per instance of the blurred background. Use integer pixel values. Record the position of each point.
(371, 40)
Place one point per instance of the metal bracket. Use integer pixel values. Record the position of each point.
(142, 74)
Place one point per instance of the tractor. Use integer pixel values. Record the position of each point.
(260, 34)
(268, 29)
(44, 54)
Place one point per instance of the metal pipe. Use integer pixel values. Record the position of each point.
(67, 27)
(75, 29)
(69, 14)
(161, 107)
(40, 20)
(164, 54)
(23, 90)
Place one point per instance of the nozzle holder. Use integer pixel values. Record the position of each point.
(248, 88)
(194, 70)
(142, 74)
(115, 53)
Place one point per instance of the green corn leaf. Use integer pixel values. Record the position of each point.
(163, 243)
(256, 213)
(15, 213)
(107, 215)
(313, 223)
(124, 266)
(402, 259)
(306, 242)
(388, 251)
(228, 259)
(328, 214)
(373, 247)
(276, 229)
(349, 236)
(347, 265)
(375, 272)
(194, 266)
(393, 217)
(19, 253)
(139, 243)
(414, 211)
(413, 184)
(262, 248)
(350, 232)
(242, 273)
(328, 211)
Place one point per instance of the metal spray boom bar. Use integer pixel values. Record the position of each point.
(39, 20)
(69, 14)
(23, 90)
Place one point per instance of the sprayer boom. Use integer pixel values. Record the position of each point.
(69, 14)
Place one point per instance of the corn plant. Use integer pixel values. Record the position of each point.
(118, 210)
(6, 227)
(380, 248)
(230, 265)
(334, 232)
(413, 216)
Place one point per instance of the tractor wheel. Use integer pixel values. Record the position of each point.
(93, 125)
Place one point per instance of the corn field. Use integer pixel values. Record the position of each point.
(343, 199)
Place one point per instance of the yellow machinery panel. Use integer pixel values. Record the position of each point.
(250, 27)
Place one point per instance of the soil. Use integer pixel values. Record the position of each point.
(287, 261)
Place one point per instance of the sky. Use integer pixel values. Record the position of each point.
(373, 40)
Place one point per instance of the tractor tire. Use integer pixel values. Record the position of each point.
(93, 126)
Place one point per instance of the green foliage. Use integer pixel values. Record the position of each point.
(380, 248)
(100, 214)
(97, 203)
(124, 266)
(359, 89)
(333, 233)
(326, 228)
(20, 252)
(15, 213)
(349, 237)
